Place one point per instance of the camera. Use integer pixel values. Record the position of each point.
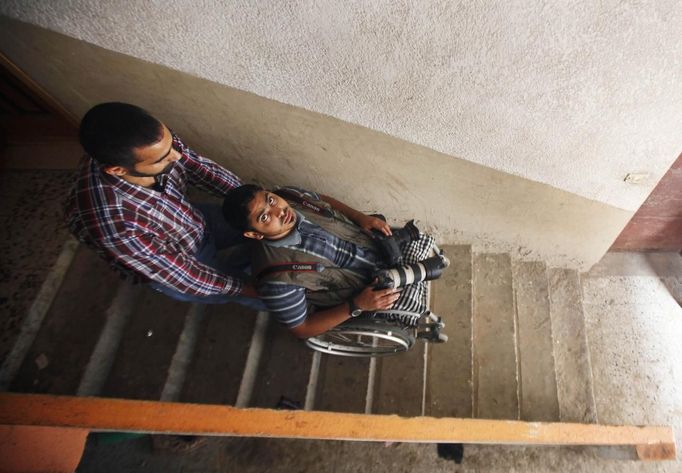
(390, 245)
(426, 270)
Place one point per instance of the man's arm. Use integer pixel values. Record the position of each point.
(206, 174)
(366, 222)
(287, 303)
(368, 300)
(152, 258)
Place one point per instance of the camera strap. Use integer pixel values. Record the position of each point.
(295, 267)
(291, 195)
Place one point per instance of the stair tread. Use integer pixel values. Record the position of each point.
(399, 383)
(33, 235)
(68, 333)
(342, 384)
(146, 348)
(484, 299)
(214, 374)
(448, 385)
(495, 367)
(538, 390)
(571, 354)
(284, 369)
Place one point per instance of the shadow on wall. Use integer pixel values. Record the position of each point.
(273, 143)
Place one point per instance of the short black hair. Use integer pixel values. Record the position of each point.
(236, 206)
(110, 131)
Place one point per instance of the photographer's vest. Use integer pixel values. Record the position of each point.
(326, 284)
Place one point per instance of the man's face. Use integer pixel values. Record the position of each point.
(156, 158)
(270, 217)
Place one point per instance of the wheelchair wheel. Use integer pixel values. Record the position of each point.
(363, 338)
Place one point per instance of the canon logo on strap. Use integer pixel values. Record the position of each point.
(315, 208)
(302, 267)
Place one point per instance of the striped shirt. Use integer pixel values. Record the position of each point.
(286, 302)
(151, 234)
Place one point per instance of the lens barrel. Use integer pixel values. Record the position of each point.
(426, 270)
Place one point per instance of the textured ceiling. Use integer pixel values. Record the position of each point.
(572, 94)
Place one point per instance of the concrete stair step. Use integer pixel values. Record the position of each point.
(104, 354)
(284, 369)
(342, 384)
(537, 381)
(499, 361)
(146, 348)
(24, 310)
(449, 365)
(571, 354)
(399, 383)
(217, 365)
(494, 349)
(36, 255)
(60, 352)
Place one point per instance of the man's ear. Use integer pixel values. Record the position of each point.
(115, 170)
(254, 235)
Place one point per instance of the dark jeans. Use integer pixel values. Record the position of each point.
(234, 261)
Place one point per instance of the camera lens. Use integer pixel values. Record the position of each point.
(426, 270)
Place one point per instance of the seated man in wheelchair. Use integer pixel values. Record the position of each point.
(317, 262)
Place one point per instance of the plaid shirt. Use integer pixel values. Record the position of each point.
(151, 234)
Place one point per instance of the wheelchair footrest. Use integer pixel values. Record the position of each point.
(429, 328)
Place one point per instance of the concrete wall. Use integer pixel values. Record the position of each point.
(574, 94)
(264, 140)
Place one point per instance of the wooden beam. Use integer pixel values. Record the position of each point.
(100, 414)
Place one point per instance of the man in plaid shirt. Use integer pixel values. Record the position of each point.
(129, 204)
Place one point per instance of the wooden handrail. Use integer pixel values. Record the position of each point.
(102, 414)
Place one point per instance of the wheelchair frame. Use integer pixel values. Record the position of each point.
(371, 335)
(382, 333)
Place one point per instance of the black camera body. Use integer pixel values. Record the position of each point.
(399, 275)
(390, 245)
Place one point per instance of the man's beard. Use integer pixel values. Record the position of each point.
(166, 170)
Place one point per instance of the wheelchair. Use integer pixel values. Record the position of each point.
(384, 333)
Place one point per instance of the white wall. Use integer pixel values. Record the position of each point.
(574, 94)
(261, 139)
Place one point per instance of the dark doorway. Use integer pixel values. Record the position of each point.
(35, 131)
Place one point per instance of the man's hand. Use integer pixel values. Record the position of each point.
(248, 290)
(371, 300)
(368, 299)
(369, 223)
(366, 222)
